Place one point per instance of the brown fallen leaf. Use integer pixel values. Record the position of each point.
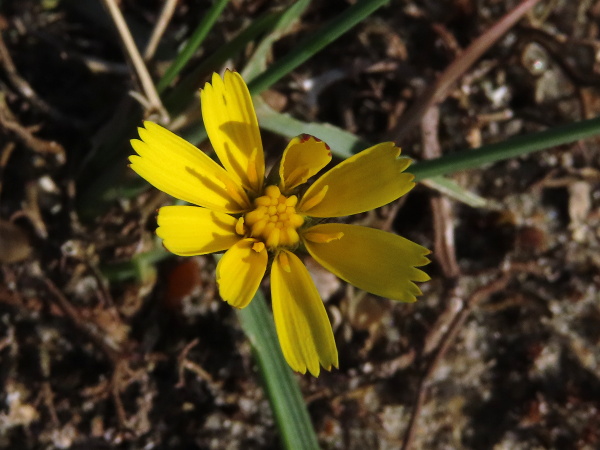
(14, 243)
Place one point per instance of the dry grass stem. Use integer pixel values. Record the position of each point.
(154, 103)
(161, 25)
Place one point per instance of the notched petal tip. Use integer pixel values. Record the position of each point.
(232, 127)
(180, 169)
(376, 261)
(302, 324)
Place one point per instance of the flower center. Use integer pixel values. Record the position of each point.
(274, 220)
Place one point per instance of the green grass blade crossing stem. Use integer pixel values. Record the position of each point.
(517, 146)
(316, 42)
(192, 45)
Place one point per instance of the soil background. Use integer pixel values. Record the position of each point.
(501, 351)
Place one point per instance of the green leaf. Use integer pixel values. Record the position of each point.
(258, 62)
(282, 388)
(304, 50)
(344, 144)
(517, 146)
(193, 44)
(184, 93)
(452, 189)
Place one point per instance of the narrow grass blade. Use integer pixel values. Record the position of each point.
(192, 45)
(344, 144)
(282, 388)
(258, 62)
(518, 146)
(182, 94)
(138, 267)
(313, 44)
(452, 189)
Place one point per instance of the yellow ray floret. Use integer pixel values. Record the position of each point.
(373, 260)
(178, 168)
(240, 271)
(232, 128)
(190, 230)
(365, 181)
(301, 321)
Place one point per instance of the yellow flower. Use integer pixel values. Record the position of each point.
(257, 220)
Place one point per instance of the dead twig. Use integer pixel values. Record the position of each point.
(48, 398)
(185, 363)
(27, 92)
(443, 223)
(8, 123)
(476, 297)
(4, 157)
(150, 92)
(116, 386)
(161, 25)
(461, 64)
(110, 348)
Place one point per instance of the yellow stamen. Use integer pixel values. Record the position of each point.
(272, 191)
(321, 238)
(251, 169)
(274, 221)
(311, 202)
(238, 195)
(284, 261)
(239, 227)
(295, 178)
(263, 201)
(273, 238)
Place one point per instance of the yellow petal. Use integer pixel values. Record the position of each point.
(301, 321)
(304, 156)
(232, 128)
(367, 180)
(178, 168)
(240, 271)
(373, 260)
(190, 230)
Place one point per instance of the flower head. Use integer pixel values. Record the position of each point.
(258, 220)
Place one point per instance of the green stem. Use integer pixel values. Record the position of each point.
(301, 52)
(282, 388)
(192, 45)
(518, 146)
(182, 95)
(316, 42)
